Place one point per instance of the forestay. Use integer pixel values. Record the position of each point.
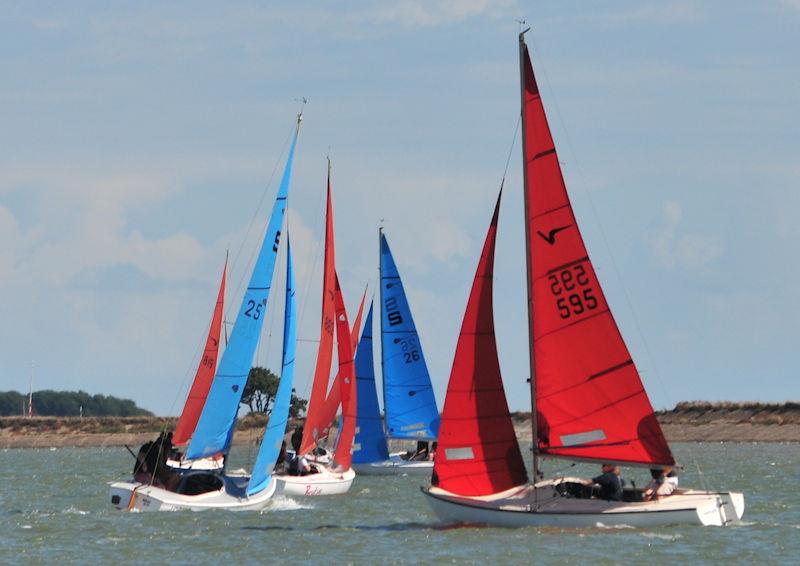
(408, 399)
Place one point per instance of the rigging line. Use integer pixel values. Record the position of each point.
(191, 370)
(256, 214)
(511, 149)
(315, 260)
(603, 235)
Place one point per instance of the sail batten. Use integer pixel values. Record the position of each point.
(408, 399)
(214, 430)
(585, 386)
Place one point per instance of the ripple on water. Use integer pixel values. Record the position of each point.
(59, 506)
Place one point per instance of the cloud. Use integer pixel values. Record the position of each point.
(793, 5)
(673, 248)
(429, 14)
(661, 12)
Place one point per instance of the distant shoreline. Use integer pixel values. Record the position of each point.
(687, 422)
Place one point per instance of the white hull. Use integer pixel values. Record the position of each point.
(543, 506)
(326, 482)
(394, 466)
(232, 496)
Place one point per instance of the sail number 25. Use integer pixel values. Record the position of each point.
(573, 295)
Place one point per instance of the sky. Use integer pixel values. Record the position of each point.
(140, 141)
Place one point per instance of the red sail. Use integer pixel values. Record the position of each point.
(478, 453)
(589, 398)
(334, 399)
(344, 449)
(205, 374)
(315, 428)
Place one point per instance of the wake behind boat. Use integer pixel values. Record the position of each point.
(158, 487)
(588, 400)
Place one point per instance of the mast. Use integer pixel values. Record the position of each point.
(380, 318)
(30, 395)
(528, 260)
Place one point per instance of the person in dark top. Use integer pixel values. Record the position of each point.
(610, 483)
(279, 463)
(297, 439)
(151, 463)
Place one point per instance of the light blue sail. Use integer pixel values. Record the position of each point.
(370, 443)
(276, 426)
(214, 429)
(408, 399)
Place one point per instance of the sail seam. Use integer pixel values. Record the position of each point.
(565, 265)
(560, 328)
(548, 211)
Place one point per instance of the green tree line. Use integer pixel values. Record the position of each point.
(48, 403)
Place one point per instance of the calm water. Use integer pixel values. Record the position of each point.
(54, 506)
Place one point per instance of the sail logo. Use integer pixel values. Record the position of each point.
(551, 236)
(392, 312)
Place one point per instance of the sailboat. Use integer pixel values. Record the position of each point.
(331, 474)
(588, 400)
(198, 392)
(200, 490)
(408, 399)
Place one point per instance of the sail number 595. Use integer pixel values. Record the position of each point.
(573, 295)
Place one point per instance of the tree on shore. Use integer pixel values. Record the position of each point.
(260, 390)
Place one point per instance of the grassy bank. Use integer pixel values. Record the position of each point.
(688, 422)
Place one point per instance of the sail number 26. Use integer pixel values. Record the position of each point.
(573, 295)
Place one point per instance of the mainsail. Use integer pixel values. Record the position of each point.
(478, 453)
(276, 426)
(370, 442)
(408, 398)
(314, 427)
(215, 428)
(589, 398)
(205, 373)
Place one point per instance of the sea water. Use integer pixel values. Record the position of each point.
(54, 507)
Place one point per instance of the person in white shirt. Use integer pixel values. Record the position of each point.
(664, 482)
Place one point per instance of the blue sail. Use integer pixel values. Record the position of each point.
(370, 443)
(276, 426)
(408, 399)
(218, 418)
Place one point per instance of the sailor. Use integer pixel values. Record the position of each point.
(281, 461)
(610, 483)
(297, 439)
(421, 453)
(664, 482)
